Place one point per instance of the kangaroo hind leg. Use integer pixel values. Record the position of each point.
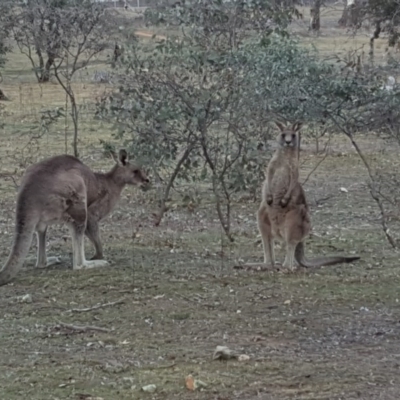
(42, 260)
(92, 232)
(77, 216)
(297, 227)
(264, 226)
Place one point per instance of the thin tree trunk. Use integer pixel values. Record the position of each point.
(163, 208)
(45, 72)
(75, 116)
(315, 13)
(3, 97)
(352, 14)
(344, 18)
(374, 36)
(40, 56)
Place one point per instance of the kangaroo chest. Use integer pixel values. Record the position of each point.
(280, 181)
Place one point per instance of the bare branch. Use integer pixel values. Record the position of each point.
(97, 306)
(82, 328)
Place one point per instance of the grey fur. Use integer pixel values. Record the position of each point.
(61, 190)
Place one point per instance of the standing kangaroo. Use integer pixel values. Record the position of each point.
(284, 212)
(62, 189)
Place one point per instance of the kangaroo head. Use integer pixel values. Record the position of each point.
(129, 173)
(289, 136)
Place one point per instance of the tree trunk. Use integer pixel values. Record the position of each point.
(45, 72)
(75, 119)
(351, 15)
(374, 36)
(355, 15)
(344, 18)
(315, 14)
(38, 71)
(3, 97)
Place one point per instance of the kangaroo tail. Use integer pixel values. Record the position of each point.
(320, 261)
(22, 242)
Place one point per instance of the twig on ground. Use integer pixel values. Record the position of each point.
(97, 306)
(162, 366)
(83, 328)
(322, 200)
(196, 301)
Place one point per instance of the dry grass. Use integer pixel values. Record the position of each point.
(325, 334)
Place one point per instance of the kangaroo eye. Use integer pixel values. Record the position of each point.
(135, 171)
(293, 135)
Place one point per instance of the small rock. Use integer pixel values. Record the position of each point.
(244, 357)
(189, 381)
(149, 388)
(199, 384)
(26, 298)
(223, 353)
(193, 384)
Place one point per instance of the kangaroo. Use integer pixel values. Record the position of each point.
(284, 213)
(62, 189)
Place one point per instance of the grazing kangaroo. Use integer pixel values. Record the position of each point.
(62, 189)
(284, 212)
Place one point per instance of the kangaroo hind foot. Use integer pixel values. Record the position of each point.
(89, 264)
(50, 261)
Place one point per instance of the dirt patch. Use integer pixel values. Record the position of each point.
(173, 296)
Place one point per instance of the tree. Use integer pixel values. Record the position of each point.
(315, 13)
(182, 105)
(38, 31)
(197, 107)
(62, 36)
(84, 36)
(42, 30)
(353, 11)
(383, 14)
(5, 23)
(385, 17)
(338, 100)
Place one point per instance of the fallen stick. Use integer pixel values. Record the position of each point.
(96, 307)
(83, 328)
(162, 366)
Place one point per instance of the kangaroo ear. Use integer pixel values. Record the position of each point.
(297, 126)
(280, 126)
(123, 157)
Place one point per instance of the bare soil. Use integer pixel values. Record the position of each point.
(172, 295)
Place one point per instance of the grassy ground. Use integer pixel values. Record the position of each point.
(171, 294)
